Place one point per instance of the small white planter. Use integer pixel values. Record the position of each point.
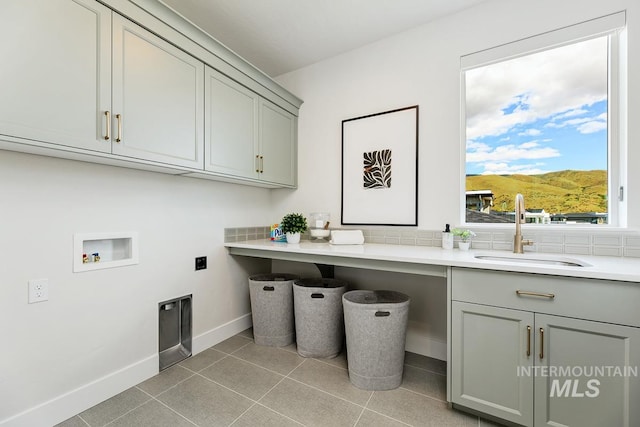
(293, 237)
(464, 246)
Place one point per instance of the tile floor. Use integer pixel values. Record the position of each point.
(239, 383)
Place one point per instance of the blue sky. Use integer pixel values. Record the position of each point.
(539, 113)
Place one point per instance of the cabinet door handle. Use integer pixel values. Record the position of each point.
(257, 163)
(261, 164)
(119, 119)
(534, 294)
(108, 120)
(541, 343)
(528, 340)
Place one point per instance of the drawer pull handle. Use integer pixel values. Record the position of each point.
(541, 343)
(269, 288)
(108, 120)
(317, 296)
(528, 340)
(382, 313)
(534, 294)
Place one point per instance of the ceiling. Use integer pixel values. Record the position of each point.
(279, 36)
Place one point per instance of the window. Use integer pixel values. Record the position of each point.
(540, 119)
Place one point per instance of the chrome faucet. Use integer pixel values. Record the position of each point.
(518, 241)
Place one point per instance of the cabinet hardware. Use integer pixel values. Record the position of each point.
(257, 163)
(541, 343)
(534, 294)
(119, 119)
(528, 340)
(108, 120)
(261, 164)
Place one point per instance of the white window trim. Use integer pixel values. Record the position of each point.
(614, 26)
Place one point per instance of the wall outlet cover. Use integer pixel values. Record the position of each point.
(201, 263)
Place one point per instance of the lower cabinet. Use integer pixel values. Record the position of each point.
(538, 369)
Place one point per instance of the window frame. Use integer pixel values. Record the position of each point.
(614, 27)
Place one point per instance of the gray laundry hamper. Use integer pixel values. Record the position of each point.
(318, 313)
(272, 308)
(376, 328)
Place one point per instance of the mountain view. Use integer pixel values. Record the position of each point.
(555, 192)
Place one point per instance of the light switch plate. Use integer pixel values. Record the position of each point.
(38, 290)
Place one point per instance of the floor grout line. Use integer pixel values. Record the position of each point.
(84, 421)
(175, 412)
(129, 411)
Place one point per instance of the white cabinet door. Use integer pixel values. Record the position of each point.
(231, 120)
(491, 350)
(55, 71)
(158, 98)
(278, 146)
(584, 346)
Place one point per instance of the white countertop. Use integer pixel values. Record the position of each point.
(433, 261)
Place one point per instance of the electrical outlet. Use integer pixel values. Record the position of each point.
(38, 290)
(201, 263)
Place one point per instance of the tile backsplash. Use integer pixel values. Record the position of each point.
(573, 242)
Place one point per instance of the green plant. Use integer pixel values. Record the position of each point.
(293, 223)
(464, 234)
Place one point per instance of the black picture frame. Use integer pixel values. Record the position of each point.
(380, 168)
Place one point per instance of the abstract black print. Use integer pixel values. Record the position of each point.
(377, 169)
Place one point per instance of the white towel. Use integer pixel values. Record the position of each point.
(346, 237)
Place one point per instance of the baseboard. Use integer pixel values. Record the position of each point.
(221, 333)
(72, 403)
(420, 343)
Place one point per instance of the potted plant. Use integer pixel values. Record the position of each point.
(292, 225)
(465, 237)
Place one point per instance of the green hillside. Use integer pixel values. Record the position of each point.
(555, 192)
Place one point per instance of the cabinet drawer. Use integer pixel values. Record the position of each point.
(592, 299)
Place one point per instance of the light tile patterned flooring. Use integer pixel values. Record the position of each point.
(239, 383)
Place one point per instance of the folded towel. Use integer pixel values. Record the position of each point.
(346, 237)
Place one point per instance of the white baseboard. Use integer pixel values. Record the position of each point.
(221, 333)
(420, 343)
(72, 403)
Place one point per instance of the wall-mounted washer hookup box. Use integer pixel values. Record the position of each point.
(174, 331)
(110, 249)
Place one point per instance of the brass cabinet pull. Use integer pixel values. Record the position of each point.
(541, 343)
(108, 120)
(534, 294)
(261, 164)
(257, 163)
(119, 119)
(528, 340)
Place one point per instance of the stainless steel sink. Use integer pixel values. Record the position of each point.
(534, 259)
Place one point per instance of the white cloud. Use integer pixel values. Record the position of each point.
(530, 132)
(551, 83)
(592, 127)
(507, 169)
(510, 153)
(570, 113)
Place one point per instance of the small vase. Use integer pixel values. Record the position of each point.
(464, 246)
(293, 237)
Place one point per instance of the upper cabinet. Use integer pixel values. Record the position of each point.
(277, 144)
(55, 73)
(131, 83)
(246, 135)
(158, 96)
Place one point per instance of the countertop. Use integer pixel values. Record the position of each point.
(433, 261)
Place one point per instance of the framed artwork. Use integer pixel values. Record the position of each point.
(380, 168)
